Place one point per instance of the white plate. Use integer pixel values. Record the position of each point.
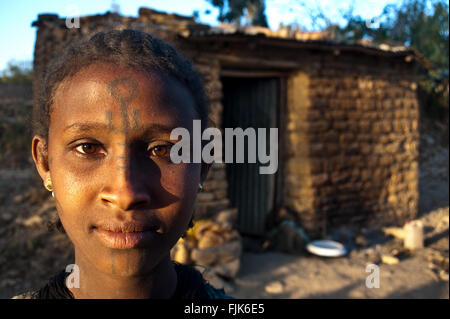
(326, 248)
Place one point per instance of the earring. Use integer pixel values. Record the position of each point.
(48, 184)
(53, 194)
(200, 187)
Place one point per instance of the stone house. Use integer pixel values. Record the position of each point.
(347, 116)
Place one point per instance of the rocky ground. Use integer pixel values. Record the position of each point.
(30, 254)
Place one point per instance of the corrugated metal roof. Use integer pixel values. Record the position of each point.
(319, 40)
(188, 28)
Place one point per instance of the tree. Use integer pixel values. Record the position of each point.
(17, 72)
(233, 11)
(422, 28)
(422, 24)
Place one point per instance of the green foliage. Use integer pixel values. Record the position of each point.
(422, 28)
(17, 72)
(422, 24)
(233, 11)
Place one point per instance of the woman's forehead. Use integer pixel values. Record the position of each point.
(103, 91)
(109, 80)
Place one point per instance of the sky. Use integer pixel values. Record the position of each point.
(17, 36)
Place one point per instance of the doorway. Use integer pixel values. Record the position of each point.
(251, 102)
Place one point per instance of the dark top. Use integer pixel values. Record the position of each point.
(190, 285)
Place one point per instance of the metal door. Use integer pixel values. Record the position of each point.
(250, 102)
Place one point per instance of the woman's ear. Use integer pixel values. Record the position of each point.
(39, 151)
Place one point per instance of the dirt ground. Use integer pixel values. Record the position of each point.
(30, 254)
(278, 275)
(421, 274)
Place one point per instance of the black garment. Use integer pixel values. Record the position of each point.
(190, 285)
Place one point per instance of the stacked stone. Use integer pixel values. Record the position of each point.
(173, 23)
(301, 175)
(354, 134)
(213, 245)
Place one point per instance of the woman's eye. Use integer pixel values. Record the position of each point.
(87, 148)
(160, 150)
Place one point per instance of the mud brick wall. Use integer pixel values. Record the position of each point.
(353, 136)
(53, 36)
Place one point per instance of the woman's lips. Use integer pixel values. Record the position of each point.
(125, 240)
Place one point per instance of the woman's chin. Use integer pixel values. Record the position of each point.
(126, 263)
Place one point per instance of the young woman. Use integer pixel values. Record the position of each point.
(102, 147)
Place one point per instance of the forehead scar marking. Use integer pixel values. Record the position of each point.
(131, 86)
(109, 120)
(125, 99)
(136, 119)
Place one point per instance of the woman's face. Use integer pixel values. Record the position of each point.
(120, 199)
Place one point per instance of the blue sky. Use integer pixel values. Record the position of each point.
(17, 37)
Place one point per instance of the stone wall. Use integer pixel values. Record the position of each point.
(300, 173)
(353, 129)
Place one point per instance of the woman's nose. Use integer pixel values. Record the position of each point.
(125, 187)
